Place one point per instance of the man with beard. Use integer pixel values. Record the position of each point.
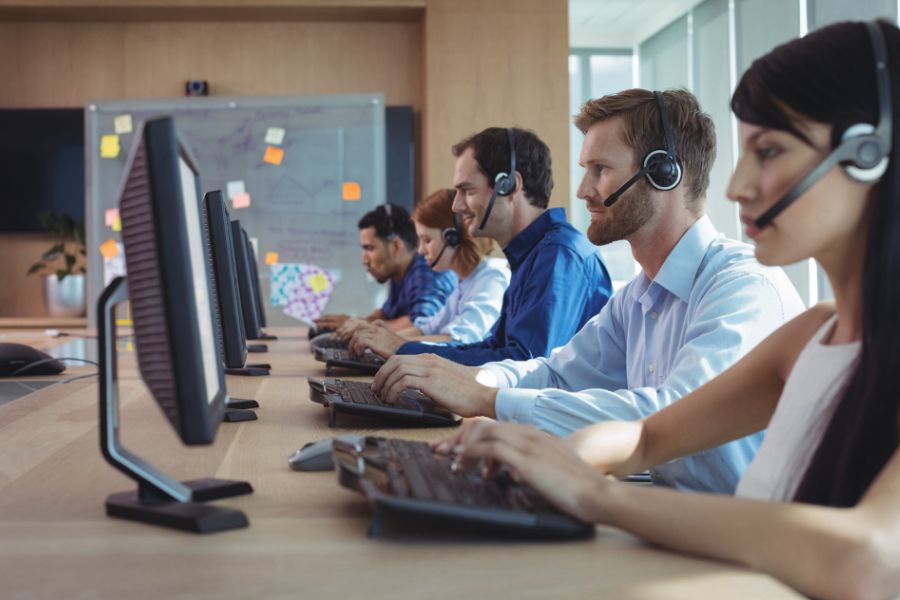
(701, 302)
(387, 238)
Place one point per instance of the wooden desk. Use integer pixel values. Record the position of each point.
(307, 535)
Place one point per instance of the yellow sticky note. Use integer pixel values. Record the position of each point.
(109, 146)
(241, 200)
(122, 124)
(117, 224)
(273, 155)
(109, 249)
(111, 215)
(317, 282)
(271, 258)
(351, 191)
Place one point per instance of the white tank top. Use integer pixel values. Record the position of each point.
(804, 410)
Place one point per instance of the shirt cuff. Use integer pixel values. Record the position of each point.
(516, 405)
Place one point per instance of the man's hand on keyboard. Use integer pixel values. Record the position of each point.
(379, 339)
(447, 383)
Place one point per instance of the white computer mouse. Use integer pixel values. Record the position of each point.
(316, 456)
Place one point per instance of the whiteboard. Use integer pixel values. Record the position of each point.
(297, 209)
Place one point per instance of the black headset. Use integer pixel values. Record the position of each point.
(661, 167)
(452, 236)
(864, 149)
(504, 183)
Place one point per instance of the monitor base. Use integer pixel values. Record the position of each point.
(257, 348)
(247, 371)
(241, 403)
(237, 416)
(186, 516)
(265, 366)
(266, 336)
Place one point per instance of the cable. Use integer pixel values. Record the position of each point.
(46, 360)
(77, 377)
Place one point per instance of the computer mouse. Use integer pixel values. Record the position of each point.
(14, 357)
(316, 456)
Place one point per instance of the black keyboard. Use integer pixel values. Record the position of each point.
(326, 341)
(342, 354)
(355, 397)
(407, 477)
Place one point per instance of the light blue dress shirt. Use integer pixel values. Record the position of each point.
(473, 306)
(654, 342)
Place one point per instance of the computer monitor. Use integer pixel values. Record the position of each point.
(243, 255)
(216, 221)
(175, 330)
(257, 291)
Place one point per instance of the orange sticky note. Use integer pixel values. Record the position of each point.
(271, 258)
(117, 224)
(241, 200)
(352, 191)
(111, 215)
(109, 249)
(273, 155)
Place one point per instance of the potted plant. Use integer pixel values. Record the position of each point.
(64, 285)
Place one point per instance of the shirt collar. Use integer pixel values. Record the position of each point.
(678, 271)
(522, 244)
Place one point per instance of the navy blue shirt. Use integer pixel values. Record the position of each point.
(421, 292)
(558, 283)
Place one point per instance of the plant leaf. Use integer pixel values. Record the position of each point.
(61, 274)
(78, 232)
(70, 262)
(36, 267)
(54, 251)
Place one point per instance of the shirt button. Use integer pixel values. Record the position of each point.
(654, 315)
(651, 368)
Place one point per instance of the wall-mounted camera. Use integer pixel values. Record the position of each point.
(196, 87)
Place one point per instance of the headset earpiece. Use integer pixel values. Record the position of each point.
(504, 183)
(871, 160)
(452, 236)
(663, 171)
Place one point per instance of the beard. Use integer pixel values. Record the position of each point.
(623, 218)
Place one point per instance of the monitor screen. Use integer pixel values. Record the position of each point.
(202, 301)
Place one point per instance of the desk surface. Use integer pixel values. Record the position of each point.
(307, 535)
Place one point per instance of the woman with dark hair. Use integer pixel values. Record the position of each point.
(818, 507)
(472, 308)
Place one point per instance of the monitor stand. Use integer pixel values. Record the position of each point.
(247, 371)
(257, 348)
(265, 336)
(159, 499)
(238, 416)
(241, 403)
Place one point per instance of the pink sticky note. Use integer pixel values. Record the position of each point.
(241, 200)
(111, 215)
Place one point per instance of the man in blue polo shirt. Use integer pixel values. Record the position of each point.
(388, 241)
(504, 180)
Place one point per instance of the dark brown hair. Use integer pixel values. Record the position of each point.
(829, 77)
(693, 130)
(436, 211)
(492, 153)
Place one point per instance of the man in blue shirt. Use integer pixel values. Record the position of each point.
(701, 302)
(504, 179)
(388, 240)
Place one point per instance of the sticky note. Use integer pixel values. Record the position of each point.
(109, 249)
(122, 124)
(273, 155)
(241, 200)
(111, 215)
(271, 258)
(275, 135)
(233, 188)
(352, 191)
(109, 146)
(317, 282)
(117, 224)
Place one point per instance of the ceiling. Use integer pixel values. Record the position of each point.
(620, 23)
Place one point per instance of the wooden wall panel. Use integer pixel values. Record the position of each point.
(497, 63)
